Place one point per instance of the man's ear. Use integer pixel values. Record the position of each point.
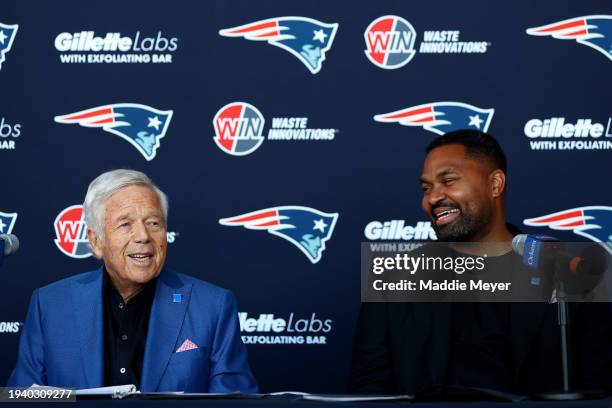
(94, 243)
(497, 181)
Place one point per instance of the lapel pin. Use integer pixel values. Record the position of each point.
(177, 298)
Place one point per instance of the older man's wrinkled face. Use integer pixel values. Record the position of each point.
(455, 193)
(134, 247)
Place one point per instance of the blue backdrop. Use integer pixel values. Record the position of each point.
(200, 96)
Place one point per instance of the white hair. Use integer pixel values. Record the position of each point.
(107, 184)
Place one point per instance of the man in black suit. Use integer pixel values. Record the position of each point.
(404, 348)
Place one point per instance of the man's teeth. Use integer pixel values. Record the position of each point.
(139, 256)
(445, 213)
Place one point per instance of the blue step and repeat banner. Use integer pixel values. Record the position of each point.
(286, 133)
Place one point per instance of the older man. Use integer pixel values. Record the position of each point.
(132, 321)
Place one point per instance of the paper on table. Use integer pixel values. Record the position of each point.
(342, 398)
(114, 391)
(199, 395)
(288, 393)
(44, 387)
(356, 398)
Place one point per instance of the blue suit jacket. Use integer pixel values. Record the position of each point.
(62, 342)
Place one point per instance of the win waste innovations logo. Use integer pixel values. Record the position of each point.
(390, 42)
(239, 129)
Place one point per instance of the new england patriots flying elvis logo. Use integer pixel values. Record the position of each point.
(305, 38)
(141, 125)
(592, 31)
(7, 35)
(592, 222)
(306, 228)
(7, 222)
(441, 117)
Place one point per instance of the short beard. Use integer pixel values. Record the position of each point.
(467, 226)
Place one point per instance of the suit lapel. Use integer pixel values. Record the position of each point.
(88, 316)
(165, 322)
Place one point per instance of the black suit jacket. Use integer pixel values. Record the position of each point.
(402, 348)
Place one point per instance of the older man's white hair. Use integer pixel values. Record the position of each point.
(107, 184)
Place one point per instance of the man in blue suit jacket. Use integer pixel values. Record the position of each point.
(192, 342)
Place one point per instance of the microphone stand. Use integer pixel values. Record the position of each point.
(563, 320)
(562, 312)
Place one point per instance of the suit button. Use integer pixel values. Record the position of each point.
(122, 371)
(123, 337)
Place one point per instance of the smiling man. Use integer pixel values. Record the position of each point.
(133, 321)
(463, 183)
(405, 348)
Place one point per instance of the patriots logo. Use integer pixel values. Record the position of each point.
(592, 31)
(7, 35)
(441, 117)
(306, 228)
(305, 38)
(7, 222)
(592, 222)
(141, 125)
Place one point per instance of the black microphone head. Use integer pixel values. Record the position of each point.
(11, 243)
(583, 266)
(518, 243)
(597, 259)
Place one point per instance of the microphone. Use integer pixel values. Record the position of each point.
(9, 244)
(579, 265)
(530, 247)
